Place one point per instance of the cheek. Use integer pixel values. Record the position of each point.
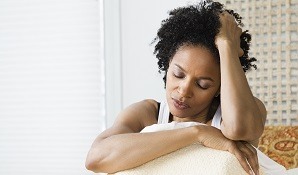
(171, 86)
(205, 96)
(169, 82)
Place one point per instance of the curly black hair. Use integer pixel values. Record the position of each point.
(196, 25)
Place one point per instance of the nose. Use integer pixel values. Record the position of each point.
(184, 89)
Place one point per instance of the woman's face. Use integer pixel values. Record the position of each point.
(193, 79)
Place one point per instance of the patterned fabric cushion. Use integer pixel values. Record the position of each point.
(280, 143)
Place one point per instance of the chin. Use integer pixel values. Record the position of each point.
(177, 113)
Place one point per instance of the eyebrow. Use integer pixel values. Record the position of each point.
(206, 78)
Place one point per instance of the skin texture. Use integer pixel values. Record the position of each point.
(194, 78)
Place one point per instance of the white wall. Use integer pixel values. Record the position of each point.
(140, 21)
(112, 57)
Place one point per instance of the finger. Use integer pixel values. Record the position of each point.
(255, 167)
(251, 156)
(243, 162)
(241, 158)
(240, 52)
(227, 16)
(239, 31)
(231, 18)
(238, 35)
(225, 13)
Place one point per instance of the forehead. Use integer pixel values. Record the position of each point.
(196, 59)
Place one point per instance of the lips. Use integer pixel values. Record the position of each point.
(180, 105)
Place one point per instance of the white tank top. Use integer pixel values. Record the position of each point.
(164, 115)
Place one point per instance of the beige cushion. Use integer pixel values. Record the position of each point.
(192, 160)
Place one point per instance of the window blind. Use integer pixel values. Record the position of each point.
(51, 96)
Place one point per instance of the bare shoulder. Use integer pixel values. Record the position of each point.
(132, 119)
(262, 109)
(138, 115)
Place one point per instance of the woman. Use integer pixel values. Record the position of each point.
(204, 55)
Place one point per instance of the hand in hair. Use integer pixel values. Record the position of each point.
(229, 33)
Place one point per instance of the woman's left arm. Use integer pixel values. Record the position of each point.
(243, 115)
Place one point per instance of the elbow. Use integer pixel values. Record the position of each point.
(100, 164)
(247, 125)
(92, 165)
(240, 132)
(94, 162)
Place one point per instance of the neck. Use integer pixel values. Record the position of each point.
(200, 119)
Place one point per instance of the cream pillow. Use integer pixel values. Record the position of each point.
(192, 160)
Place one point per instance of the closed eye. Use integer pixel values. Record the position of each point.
(178, 75)
(202, 86)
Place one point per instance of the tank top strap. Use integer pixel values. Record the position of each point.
(217, 118)
(163, 113)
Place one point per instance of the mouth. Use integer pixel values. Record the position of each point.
(180, 105)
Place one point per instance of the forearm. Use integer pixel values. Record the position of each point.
(240, 111)
(125, 151)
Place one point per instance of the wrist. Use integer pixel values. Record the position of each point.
(223, 44)
(199, 132)
(227, 50)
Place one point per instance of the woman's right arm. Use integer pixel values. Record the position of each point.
(123, 147)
